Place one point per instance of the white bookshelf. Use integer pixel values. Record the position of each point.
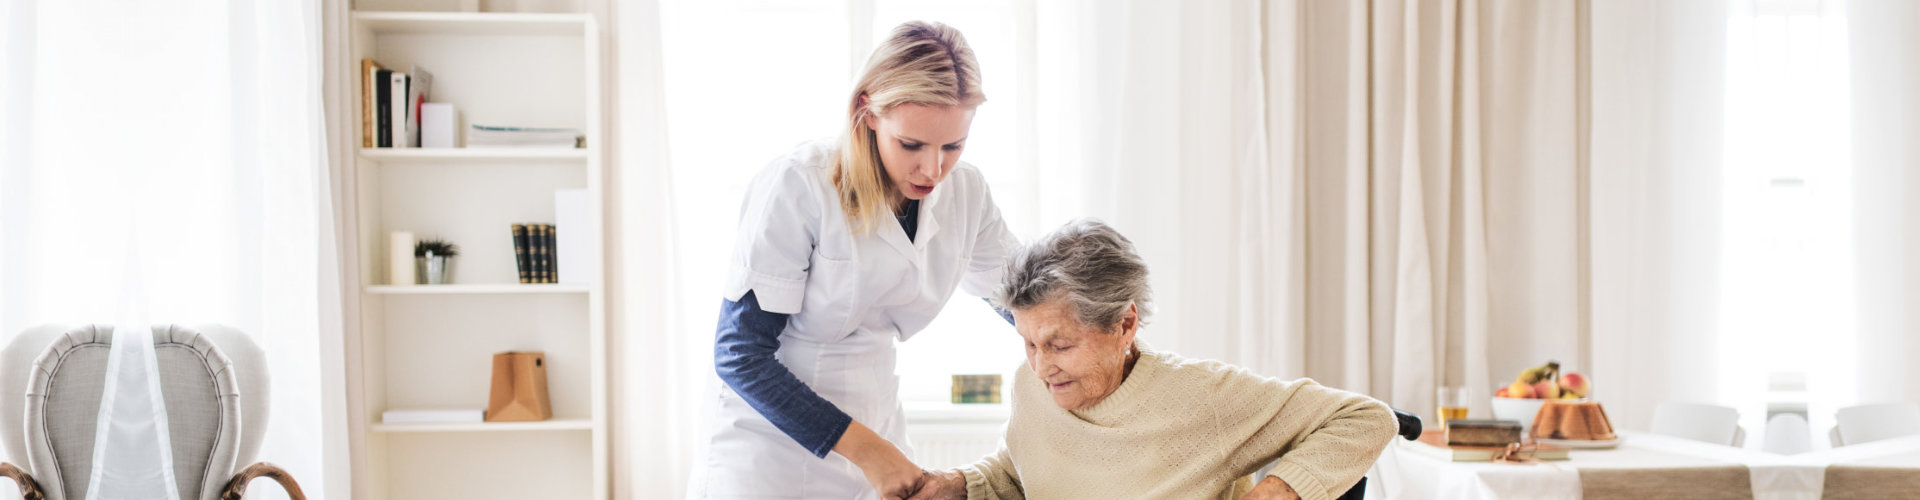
(431, 346)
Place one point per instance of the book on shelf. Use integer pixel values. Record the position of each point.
(369, 72)
(433, 416)
(397, 127)
(1434, 444)
(488, 136)
(383, 108)
(522, 261)
(538, 248)
(418, 81)
(546, 250)
(390, 105)
(533, 252)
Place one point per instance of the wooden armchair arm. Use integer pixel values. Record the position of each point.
(238, 486)
(29, 489)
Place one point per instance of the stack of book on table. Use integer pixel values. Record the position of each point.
(1481, 441)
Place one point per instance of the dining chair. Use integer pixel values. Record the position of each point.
(1874, 422)
(1699, 422)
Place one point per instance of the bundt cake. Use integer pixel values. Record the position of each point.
(1573, 420)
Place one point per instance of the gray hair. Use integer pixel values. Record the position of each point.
(1088, 264)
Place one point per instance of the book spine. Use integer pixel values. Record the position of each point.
(398, 124)
(367, 69)
(383, 109)
(521, 260)
(546, 253)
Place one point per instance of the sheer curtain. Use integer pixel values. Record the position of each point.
(169, 157)
(1655, 151)
(1886, 176)
(1751, 202)
(1323, 187)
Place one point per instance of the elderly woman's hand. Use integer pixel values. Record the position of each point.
(943, 485)
(1272, 488)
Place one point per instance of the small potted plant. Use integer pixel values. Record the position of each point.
(433, 259)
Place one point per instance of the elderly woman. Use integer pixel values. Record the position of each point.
(1099, 414)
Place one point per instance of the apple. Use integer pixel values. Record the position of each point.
(1546, 389)
(1519, 390)
(1500, 393)
(1575, 384)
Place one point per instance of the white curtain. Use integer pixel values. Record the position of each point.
(1885, 70)
(1751, 204)
(1323, 188)
(171, 154)
(656, 361)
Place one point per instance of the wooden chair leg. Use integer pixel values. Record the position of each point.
(29, 489)
(237, 488)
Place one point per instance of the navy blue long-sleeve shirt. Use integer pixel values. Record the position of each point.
(743, 349)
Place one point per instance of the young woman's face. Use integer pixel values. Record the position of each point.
(920, 144)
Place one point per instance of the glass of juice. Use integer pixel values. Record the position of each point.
(1452, 402)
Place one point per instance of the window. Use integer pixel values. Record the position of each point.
(1786, 275)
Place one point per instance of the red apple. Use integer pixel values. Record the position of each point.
(1575, 384)
(1546, 389)
(1519, 390)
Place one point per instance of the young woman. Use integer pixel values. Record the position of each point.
(844, 247)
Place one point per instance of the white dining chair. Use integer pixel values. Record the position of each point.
(1787, 434)
(1699, 422)
(1874, 422)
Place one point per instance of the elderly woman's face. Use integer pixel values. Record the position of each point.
(1080, 364)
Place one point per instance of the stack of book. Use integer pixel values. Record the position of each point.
(533, 253)
(390, 105)
(487, 136)
(1434, 444)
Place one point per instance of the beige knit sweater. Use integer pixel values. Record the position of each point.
(1183, 428)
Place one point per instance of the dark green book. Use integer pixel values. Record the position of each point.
(546, 253)
(522, 260)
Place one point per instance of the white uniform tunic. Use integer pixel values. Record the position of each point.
(850, 297)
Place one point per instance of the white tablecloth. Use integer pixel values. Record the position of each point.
(1408, 474)
(1897, 452)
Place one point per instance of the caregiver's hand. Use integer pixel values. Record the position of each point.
(887, 470)
(943, 485)
(1272, 488)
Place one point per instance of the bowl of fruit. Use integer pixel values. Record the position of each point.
(1522, 399)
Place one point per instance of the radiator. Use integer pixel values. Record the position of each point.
(946, 446)
(947, 436)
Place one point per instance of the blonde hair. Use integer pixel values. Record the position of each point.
(922, 63)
